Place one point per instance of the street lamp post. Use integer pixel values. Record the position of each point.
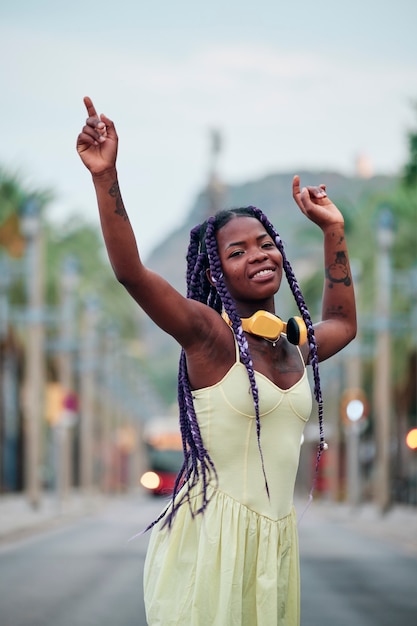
(64, 428)
(88, 393)
(382, 400)
(215, 187)
(354, 412)
(33, 386)
(4, 323)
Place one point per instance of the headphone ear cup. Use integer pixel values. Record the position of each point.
(264, 324)
(296, 331)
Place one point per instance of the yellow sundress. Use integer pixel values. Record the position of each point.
(237, 564)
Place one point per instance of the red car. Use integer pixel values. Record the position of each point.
(163, 445)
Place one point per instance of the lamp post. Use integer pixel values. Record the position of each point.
(69, 283)
(382, 399)
(88, 392)
(215, 187)
(354, 409)
(355, 412)
(4, 317)
(33, 386)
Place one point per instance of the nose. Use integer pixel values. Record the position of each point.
(257, 255)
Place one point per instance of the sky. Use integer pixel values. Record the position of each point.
(289, 85)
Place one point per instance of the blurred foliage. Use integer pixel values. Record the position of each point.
(361, 226)
(14, 191)
(80, 241)
(410, 169)
(164, 376)
(75, 239)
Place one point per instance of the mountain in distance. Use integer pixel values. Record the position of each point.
(273, 195)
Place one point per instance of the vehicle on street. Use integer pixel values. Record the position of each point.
(163, 446)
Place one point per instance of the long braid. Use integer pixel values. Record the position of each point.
(197, 464)
(230, 308)
(314, 360)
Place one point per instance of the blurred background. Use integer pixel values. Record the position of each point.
(215, 105)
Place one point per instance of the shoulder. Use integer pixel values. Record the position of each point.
(213, 328)
(212, 353)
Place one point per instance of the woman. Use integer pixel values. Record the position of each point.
(225, 552)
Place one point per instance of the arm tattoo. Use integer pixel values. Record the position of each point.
(336, 311)
(338, 271)
(114, 191)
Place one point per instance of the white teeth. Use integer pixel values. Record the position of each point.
(263, 272)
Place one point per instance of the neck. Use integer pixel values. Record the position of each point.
(244, 310)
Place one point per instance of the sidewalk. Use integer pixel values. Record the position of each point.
(18, 519)
(397, 526)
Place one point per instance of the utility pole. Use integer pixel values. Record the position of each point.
(33, 387)
(382, 397)
(64, 427)
(88, 393)
(108, 403)
(215, 187)
(4, 325)
(354, 421)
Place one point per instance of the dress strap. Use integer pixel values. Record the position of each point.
(236, 349)
(301, 356)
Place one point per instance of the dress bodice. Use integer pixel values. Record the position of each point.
(226, 417)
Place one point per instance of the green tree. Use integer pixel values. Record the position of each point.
(81, 241)
(74, 238)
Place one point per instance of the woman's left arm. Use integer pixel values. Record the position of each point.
(338, 326)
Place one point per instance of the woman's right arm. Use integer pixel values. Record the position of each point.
(180, 317)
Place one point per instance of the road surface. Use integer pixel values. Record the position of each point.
(88, 574)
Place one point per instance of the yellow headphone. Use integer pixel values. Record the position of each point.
(270, 327)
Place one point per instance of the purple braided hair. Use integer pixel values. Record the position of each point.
(302, 307)
(203, 254)
(229, 306)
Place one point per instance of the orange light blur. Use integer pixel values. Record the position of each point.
(411, 439)
(150, 480)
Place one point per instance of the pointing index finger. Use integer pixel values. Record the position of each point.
(90, 107)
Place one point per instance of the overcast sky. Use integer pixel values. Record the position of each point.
(290, 85)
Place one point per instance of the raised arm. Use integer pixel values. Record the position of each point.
(97, 147)
(338, 325)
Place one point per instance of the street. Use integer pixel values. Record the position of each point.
(357, 578)
(87, 573)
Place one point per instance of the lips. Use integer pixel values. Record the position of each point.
(264, 273)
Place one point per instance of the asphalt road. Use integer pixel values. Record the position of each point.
(84, 574)
(88, 574)
(352, 578)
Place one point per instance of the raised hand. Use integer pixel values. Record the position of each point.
(97, 142)
(315, 204)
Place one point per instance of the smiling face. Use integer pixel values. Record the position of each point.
(251, 263)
